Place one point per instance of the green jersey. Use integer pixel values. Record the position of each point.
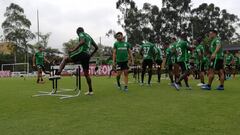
(85, 48)
(237, 60)
(159, 55)
(148, 50)
(199, 50)
(229, 58)
(216, 42)
(39, 58)
(206, 62)
(121, 51)
(182, 51)
(174, 54)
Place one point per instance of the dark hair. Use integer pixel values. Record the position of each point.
(183, 35)
(174, 39)
(199, 40)
(79, 30)
(118, 33)
(40, 47)
(214, 31)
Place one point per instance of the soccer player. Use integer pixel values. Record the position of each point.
(182, 49)
(147, 50)
(81, 54)
(217, 57)
(159, 60)
(121, 55)
(236, 64)
(200, 60)
(169, 61)
(38, 61)
(229, 60)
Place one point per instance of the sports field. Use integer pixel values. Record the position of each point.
(156, 110)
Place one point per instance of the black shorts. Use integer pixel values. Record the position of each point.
(202, 67)
(83, 59)
(159, 62)
(41, 67)
(229, 66)
(170, 67)
(96, 68)
(122, 66)
(184, 66)
(147, 62)
(217, 64)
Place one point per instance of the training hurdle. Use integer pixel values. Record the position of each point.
(60, 93)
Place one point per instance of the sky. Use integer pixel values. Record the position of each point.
(62, 17)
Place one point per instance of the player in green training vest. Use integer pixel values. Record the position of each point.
(216, 61)
(200, 60)
(38, 61)
(236, 64)
(182, 49)
(121, 55)
(81, 54)
(158, 60)
(229, 60)
(147, 50)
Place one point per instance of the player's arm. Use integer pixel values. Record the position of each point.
(46, 60)
(95, 47)
(216, 51)
(81, 42)
(34, 60)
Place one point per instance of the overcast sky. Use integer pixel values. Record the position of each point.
(62, 17)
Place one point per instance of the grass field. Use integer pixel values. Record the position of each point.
(156, 110)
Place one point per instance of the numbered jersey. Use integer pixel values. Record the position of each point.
(182, 51)
(159, 55)
(85, 48)
(148, 50)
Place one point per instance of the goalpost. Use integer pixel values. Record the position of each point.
(18, 68)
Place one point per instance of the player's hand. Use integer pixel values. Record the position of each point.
(213, 56)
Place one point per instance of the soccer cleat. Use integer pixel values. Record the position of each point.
(206, 87)
(176, 86)
(141, 84)
(149, 85)
(220, 88)
(200, 84)
(89, 93)
(189, 88)
(125, 89)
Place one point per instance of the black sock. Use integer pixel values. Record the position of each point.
(221, 85)
(90, 90)
(37, 80)
(118, 81)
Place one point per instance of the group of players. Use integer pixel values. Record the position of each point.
(180, 62)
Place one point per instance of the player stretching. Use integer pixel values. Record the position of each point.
(182, 60)
(217, 57)
(82, 54)
(169, 61)
(38, 61)
(147, 51)
(121, 55)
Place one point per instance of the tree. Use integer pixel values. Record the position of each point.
(43, 39)
(70, 45)
(207, 17)
(16, 28)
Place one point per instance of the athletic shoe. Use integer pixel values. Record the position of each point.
(89, 93)
(149, 85)
(189, 88)
(220, 88)
(125, 89)
(200, 84)
(141, 84)
(176, 86)
(206, 87)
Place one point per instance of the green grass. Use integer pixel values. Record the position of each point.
(156, 110)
